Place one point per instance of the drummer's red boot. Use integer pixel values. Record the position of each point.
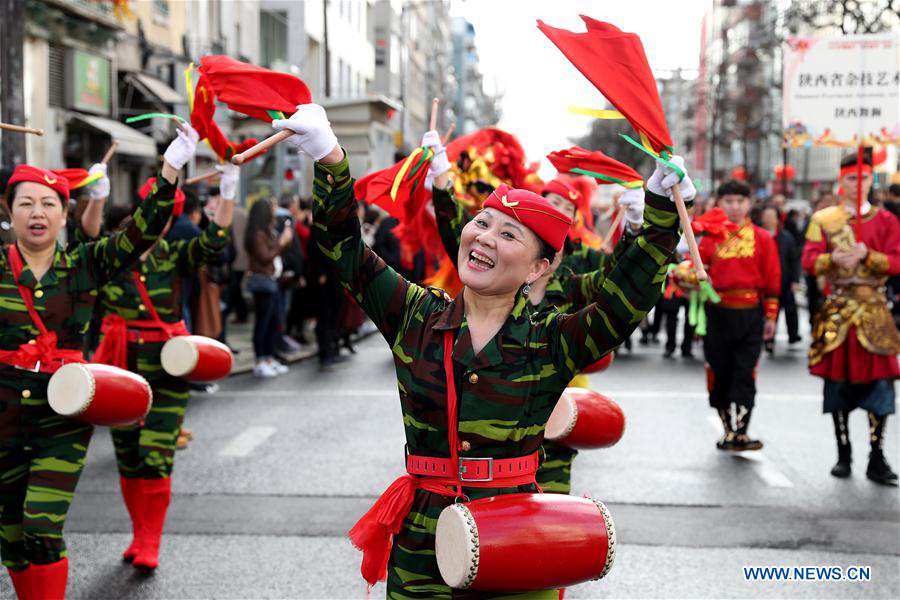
(133, 498)
(21, 582)
(156, 495)
(48, 582)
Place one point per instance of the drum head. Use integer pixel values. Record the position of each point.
(563, 417)
(179, 356)
(70, 390)
(456, 546)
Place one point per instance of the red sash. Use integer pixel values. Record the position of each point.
(373, 532)
(113, 348)
(41, 353)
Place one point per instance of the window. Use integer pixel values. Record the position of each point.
(273, 36)
(161, 11)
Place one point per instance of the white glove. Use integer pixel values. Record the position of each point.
(439, 164)
(182, 148)
(100, 188)
(664, 178)
(228, 180)
(632, 202)
(314, 134)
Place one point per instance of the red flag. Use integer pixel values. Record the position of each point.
(394, 189)
(254, 91)
(604, 169)
(615, 62)
(202, 119)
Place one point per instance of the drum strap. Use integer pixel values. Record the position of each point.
(41, 353)
(145, 296)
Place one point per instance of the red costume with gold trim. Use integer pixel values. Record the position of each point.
(854, 336)
(744, 268)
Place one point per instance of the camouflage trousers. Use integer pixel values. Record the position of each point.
(413, 570)
(147, 451)
(41, 458)
(555, 474)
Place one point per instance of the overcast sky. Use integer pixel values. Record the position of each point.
(539, 83)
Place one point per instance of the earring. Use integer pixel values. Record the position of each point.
(526, 289)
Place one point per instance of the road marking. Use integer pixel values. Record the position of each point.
(764, 468)
(247, 441)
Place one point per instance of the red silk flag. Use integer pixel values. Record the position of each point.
(615, 62)
(203, 111)
(604, 169)
(398, 187)
(254, 91)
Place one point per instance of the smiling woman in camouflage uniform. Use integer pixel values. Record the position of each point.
(141, 309)
(562, 288)
(509, 366)
(47, 295)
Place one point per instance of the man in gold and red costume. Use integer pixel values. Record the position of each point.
(855, 342)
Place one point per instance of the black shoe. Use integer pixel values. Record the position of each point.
(726, 442)
(687, 354)
(842, 468)
(742, 442)
(644, 340)
(668, 353)
(879, 471)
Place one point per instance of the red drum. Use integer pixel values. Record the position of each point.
(99, 394)
(524, 542)
(584, 419)
(196, 358)
(601, 365)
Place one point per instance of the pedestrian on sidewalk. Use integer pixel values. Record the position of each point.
(264, 248)
(744, 270)
(854, 341)
(789, 259)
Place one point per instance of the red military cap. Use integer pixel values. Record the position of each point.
(179, 196)
(53, 180)
(533, 211)
(563, 188)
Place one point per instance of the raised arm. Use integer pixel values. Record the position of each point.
(112, 254)
(98, 192)
(451, 217)
(382, 293)
(632, 287)
(208, 246)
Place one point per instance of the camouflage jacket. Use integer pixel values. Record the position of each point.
(65, 296)
(507, 390)
(161, 273)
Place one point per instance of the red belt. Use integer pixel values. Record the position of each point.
(738, 298)
(41, 354)
(117, 332)
(373, 532)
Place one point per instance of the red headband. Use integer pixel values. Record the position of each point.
(852, 169)
(533, 211)
(177, 209)
(55, 181)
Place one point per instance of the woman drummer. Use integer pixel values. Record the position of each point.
(141, 310)
(560, 288)
(47, 295)
(506, 368)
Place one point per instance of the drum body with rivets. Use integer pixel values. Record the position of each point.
(196, 358)
(584, 419)
(524, 542)
(99, 394)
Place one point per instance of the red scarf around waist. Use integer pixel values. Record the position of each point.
(374, 531)
(113, 348)
(41, 353)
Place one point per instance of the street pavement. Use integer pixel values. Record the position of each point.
(280, 469)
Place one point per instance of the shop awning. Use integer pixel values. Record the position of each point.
(131, 141)
(152, 87)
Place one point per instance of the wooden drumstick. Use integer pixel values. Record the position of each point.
(109, 153)
(199, 178)
(447, 135)
(617, 220)
(272, 140)
(21, 129)
(689, 234)
(434, 112)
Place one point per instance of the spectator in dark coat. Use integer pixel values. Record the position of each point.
(789, 254)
